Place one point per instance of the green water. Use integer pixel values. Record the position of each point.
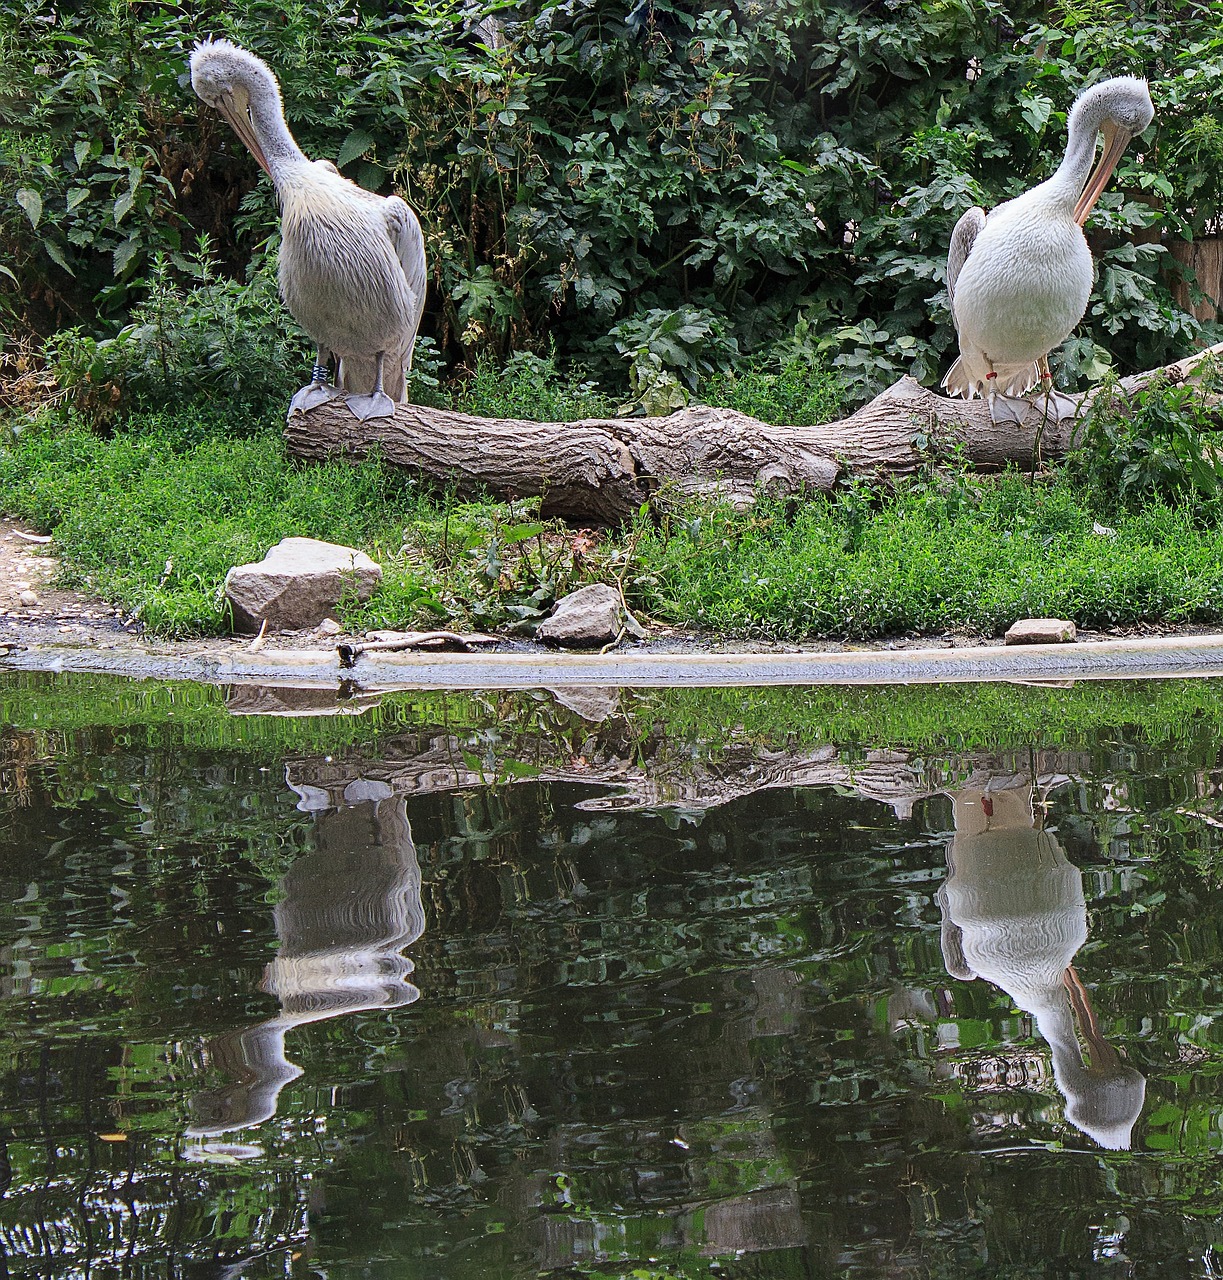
(418, 993)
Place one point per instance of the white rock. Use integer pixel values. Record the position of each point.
(28, 598)
(589, 616)
(1041, 631)
(298, 584)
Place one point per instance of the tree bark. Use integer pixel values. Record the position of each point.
(602, 470)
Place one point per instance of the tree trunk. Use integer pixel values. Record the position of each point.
(601, 470)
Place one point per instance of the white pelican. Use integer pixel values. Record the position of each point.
(1018, 280)
(352, 263)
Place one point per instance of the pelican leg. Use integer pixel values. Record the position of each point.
(318, 390)
(1004, 408)
(375, 405)
(1056, 405)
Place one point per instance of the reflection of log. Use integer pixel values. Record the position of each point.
(442, 762)
(602, 469)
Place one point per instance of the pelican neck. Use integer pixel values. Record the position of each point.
(279, 147)
(1071, 176)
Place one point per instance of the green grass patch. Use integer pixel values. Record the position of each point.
(963, 552)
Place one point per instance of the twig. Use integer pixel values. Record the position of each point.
(607, 648)
(349, 653)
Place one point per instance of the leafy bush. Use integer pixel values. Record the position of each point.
(1161, 444)
(784, 173)
(531, 387)
(218, 338)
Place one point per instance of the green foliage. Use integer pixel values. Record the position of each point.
(529, 387)
(786, 392)
(666, 349)
(760, 175)
(153, 517)
(216, 338)
(1161, 444)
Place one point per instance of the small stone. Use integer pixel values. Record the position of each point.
(589, 616)
(298, 584)
(28, 598)
(1041, 631)
(329, 627)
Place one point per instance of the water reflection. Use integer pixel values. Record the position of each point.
(348, 910)
(1014, 913)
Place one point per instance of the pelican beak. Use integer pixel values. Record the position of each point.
(1116, 140)
(240, 122)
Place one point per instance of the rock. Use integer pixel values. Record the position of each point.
(1041, 631)
(298, 584)
(330, 627)
(28, 598)
(589, 616)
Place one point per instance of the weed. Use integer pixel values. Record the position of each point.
(790, 393)
(1161, 443)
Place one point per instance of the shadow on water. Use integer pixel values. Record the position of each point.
(612, 986)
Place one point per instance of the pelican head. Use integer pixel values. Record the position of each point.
(1118, 109)
(241, 87)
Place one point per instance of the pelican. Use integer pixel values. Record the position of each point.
(352, 263)
(1018, 279)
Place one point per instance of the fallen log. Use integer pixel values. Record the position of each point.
(601, 470)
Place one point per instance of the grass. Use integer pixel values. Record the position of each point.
(152, 516)
(974, 554)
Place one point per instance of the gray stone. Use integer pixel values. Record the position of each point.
(298, 584)
(1041, 631)
(589, 616)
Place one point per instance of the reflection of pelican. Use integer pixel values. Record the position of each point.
(1014, 914)
(1018, 280)
(352, 263)
(348, 911)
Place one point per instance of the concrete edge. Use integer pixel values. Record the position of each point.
(1147, 658)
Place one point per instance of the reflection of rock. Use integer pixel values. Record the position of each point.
(1014, 914)
(292, 700)
(594, 703)
(348, 911)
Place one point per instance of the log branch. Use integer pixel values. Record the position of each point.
(601, 470)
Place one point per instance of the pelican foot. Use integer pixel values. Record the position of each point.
(1056, 406)
(375, 405)
(310, 397)
(1008, 409)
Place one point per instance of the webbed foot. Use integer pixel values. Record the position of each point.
(311, 396)
(1056, 406)
(1008, 408)
(375, 405)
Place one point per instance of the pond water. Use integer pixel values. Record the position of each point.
(667, 984)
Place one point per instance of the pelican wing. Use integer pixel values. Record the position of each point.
(408, 241)
(962, 240)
